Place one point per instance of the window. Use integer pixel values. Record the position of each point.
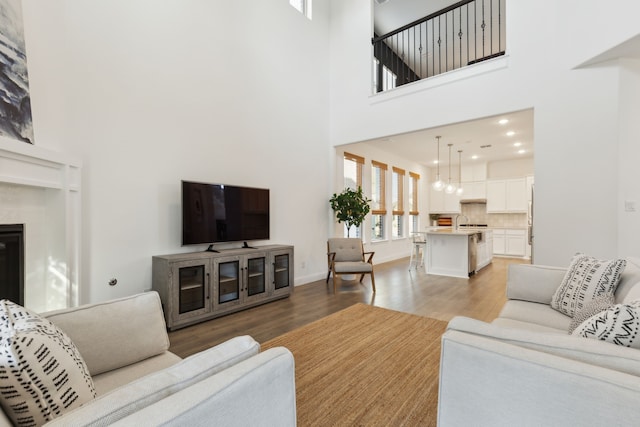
(397, 200)
(378, 202)
(353, 179)
(413, 201)
(303, 6)
(353, 171)
(383, 77)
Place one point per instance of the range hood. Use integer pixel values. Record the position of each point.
(469, 201)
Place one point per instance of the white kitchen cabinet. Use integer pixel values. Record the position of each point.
(516, 242)
(507, 196)
(474, 172)
(499, 246)
(516, 195)
(441, 202)
(474, 190)
(485, 250)
(510, 242)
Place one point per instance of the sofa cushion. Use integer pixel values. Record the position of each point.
(526, 326)
(115, 378)
(126, 400)
(43, 374)
(534, 313)
(586, 278)
(593, 307)
(593, 352)
(101, 330)
(618, 325)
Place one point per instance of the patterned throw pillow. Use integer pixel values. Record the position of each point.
(593, 307)
(586, 278)
(43, 374)
(618, 325)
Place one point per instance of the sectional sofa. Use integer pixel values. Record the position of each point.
(525, 368)
(137, 380)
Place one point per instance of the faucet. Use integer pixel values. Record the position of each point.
(455, 222)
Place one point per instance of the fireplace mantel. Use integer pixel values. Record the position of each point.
(41, 189)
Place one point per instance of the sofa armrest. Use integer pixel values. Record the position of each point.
(115, 333)
(590, 351)
(258, 391)
(485, 382)
(535, 283)
(126, 400)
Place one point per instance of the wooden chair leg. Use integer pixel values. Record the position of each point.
(373, 283)
(335, 284)
(328, 275)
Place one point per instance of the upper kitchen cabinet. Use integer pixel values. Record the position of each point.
(475, 172)
(441, 202)
(474, 190)
(507, 196)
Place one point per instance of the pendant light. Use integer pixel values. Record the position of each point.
(450, 188)
(438, 185)
(459, 191)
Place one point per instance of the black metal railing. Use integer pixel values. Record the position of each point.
(462, 34)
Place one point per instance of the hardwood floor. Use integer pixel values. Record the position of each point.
(480, 297)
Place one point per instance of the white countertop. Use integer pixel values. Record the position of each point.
(460, 231)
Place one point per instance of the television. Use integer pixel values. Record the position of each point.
(213, 213)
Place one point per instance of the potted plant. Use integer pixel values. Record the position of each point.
(350, 207)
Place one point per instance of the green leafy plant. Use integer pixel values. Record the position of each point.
(350, 207)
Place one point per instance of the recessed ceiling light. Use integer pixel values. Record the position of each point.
(511, 133)
(435, 162)
(517, 144)
(474, 157)
(503, 121)
(522, 151)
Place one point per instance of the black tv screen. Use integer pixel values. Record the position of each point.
(223, 213)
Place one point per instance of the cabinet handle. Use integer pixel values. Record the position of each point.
(206, 293)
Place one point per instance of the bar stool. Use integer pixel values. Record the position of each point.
(418, 249)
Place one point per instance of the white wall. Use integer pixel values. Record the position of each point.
(575, 110)
(149, 93)
(629, 172)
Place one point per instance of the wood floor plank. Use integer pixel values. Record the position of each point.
(480, 297)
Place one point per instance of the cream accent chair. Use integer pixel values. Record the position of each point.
(347, 256)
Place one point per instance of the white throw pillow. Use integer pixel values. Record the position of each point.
(43, 374)
(618, 325)
(586, 278)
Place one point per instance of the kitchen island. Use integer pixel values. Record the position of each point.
(458, 253)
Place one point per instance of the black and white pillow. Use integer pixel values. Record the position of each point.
(593, 307)
(43, 374)
(586, 278)
(618, 325)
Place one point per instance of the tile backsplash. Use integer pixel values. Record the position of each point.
(477, 214)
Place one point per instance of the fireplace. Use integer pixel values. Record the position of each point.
(12, 262)
(39, 190)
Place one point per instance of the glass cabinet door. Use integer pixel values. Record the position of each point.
(228, 282)
(192, 288)
(256, 280)
(281, 271)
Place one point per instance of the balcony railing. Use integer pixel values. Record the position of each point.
(462, 34)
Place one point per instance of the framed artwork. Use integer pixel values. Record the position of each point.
(15, 103)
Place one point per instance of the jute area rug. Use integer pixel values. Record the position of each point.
(366, 366)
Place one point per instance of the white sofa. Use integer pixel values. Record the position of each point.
(139, 382)
(525, 369)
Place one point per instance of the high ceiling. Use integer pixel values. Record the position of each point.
(484, 138)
